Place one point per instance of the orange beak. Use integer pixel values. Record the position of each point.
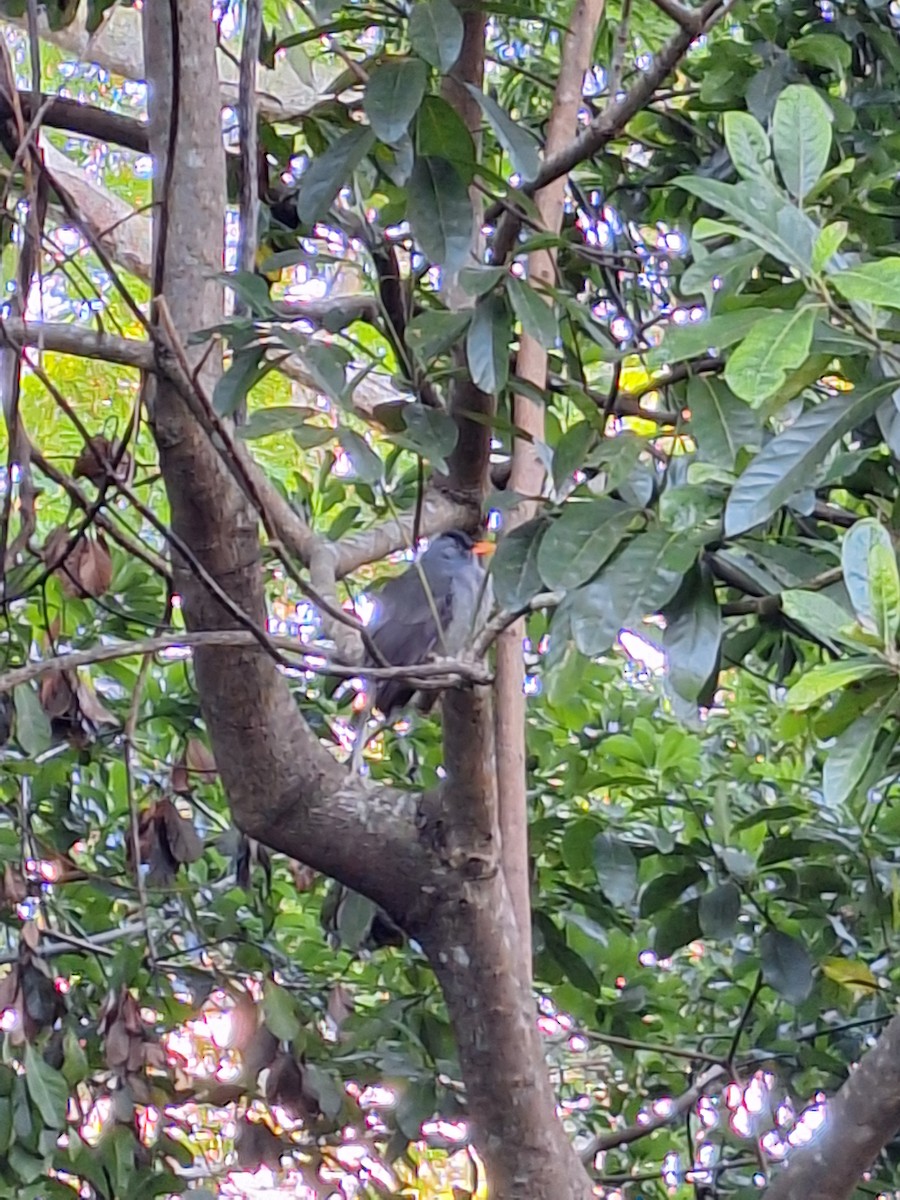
(483, 549)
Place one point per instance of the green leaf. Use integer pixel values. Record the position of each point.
(440, 213)
(676, 928)
(721, 424)
(441, 132)
(367, 465)
(821, 616)
(518, 142)
(514, 570)
(875, 283)
(329, 172)
(638, 581)
(850, 756)
(436, 32)
(869, 563)
(277, 419)
(327, 365)
(822, 680)
(786, 965)
(787, 463)
(247, 368)
(801, 137)
(32, 723)
(487, 345)
(823, 50)
(431, 433)
(773, 347)
(580, 540)
(393, 95)
(47, 1088)
(533, 313)
(748, 145)
(828, 243)
(693, 636)
(279, 1012)
(616, 869)
(308, 437)
(772, 223)
(431, 333)
(719, 910)
(697, 338)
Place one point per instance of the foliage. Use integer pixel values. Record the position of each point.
(714, 850)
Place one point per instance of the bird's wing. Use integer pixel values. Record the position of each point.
(405, 633)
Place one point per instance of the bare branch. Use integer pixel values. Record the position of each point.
(86, 120)
(442, 673)
(74, 339)
(708, 1082)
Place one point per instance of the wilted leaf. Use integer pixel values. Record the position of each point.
(95, 462)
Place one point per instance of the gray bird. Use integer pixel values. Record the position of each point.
(412, 623)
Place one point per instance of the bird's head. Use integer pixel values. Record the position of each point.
(455, 546)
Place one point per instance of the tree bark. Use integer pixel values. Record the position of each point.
(527, 477)
(419, 857)
(861, 1119)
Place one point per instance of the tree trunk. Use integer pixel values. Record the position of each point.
(473, 943)
(435, 871)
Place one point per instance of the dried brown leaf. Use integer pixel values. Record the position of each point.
(58, 695)
(199, 760)
(91, 706)
(14, 889)
(183, 841)
(95, 462)
(92, 568)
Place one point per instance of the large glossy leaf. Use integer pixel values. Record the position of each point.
(616, 869)
(47, 1087)
(428, 432)
(786, 464)
(821, 616)
(762, 215)
(721, 424)
(516, 140)
(872, 282)
(514, 569)
(758, 367)
(822, 681)
(580, 540)
(436, 32)
(535, 315)
(329, 172)
(487, 344)
(748, 145)
(431, 333)
(440, 132)
(246, 369)
(697, 338)
(719, 910)
(801, 137)
(440, 213)
(871, 577)
(786, 965)
(32, 724)
(693, 636)
(276, 419)
(393, 95)
(849, 758)
(637, 582)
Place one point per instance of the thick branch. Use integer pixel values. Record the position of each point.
(86, 120)
(862, 1118)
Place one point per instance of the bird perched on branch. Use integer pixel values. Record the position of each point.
(432, 608)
